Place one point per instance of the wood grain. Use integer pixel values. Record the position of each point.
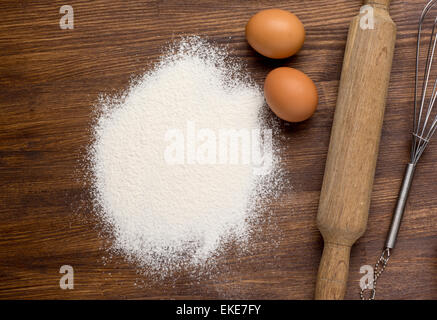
(50, 79)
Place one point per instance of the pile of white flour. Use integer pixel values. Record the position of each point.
(165, 204)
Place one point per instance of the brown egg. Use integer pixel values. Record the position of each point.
(290, 94)
(275, 33)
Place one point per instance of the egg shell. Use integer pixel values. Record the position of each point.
(290, 94)
(275, 33)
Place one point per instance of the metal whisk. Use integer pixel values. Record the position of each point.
(425, 125)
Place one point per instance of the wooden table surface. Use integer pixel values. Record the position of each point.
(50, 79)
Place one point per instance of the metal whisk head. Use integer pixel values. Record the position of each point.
(425, 115)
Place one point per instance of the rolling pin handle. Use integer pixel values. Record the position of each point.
(383, 3)
(333, 272)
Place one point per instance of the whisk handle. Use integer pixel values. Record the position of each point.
(400, 206)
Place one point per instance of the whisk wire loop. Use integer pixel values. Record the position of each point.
(423, 127)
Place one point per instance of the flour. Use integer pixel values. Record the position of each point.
(165, 215)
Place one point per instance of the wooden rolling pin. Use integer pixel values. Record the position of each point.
(353, 150)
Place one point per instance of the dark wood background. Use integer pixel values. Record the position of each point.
(50, 79)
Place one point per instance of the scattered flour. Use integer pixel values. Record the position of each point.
(166, 216)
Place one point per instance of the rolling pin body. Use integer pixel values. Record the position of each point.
(353, 150)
